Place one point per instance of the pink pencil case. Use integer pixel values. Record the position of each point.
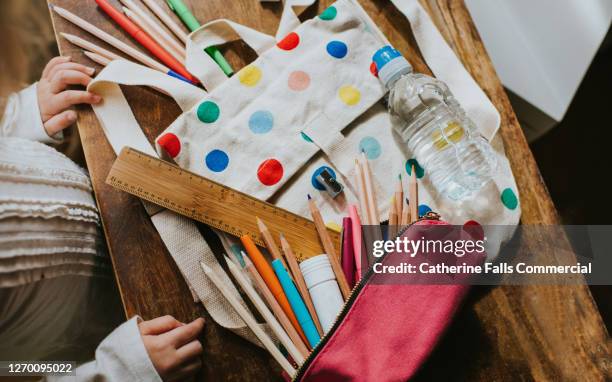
(386, 330)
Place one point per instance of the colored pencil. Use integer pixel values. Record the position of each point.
(392, 219)
(405, 220)
(167, 20)
(413, 193)
(348, 257)
(357, 239)
(299, 281)
(82, 43)
(145, 40)
(261, 307)
(269, 240)
(249, 320)
(369, 189)
(99, 33)
(261, 286)
(98, 58)
(361, 194)
(149, 29)
(399, 198)
(329, 248)
(268, 275)
(181, 10)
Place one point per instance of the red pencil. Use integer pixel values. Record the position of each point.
(146, 41)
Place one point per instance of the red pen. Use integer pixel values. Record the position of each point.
(144, 39)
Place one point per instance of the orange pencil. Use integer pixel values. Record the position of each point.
(267, 273)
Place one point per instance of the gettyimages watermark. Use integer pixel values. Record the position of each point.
(471, 255)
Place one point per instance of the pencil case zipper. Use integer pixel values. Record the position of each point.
(350, 300)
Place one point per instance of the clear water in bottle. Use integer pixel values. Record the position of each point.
(435, 128)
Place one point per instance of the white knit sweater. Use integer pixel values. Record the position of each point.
(56, 285)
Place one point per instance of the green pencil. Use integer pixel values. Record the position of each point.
(192, 24)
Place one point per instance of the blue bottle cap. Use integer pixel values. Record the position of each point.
(390, 64)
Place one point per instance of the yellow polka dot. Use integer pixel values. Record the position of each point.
(453, 132)
(249, 75)
(349, 95)
(334, 226)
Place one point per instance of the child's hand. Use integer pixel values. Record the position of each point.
(173, 346)
(54, 100)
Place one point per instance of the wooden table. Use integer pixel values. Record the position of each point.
(502, 333)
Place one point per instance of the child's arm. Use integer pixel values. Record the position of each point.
(41, 111)
(162, 349)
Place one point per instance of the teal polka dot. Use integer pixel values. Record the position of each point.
(261, 122)
(371, 147)
(420, 171)
(305, 137)
(424, 209)
(208, 112)
(329, 14)
(509, 199)
(315, 183)
(217, 160)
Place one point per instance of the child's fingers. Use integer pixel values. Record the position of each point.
(65, 99)
(71, 66)
(63, 78)
(52, 63)
(159, 325)
(186, 371)
(186, 333)
(59, 122)
(189, 351)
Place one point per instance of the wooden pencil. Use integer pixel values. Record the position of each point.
(392, 219)
(299, 281)
(413, 189)
(249, 320)
(261, 307)
(261, 286)
(369, 189)
(269, 240)
(328, 246)
(167, 20)
(361, 194)
(90, 46)
(399, 197)
(150, 28)
(99, 33)
(405, 214)
(98, 58)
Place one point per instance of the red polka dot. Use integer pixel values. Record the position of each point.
(270, 172)
(373, 69)
(289, 42)
(170, 143)
(474, 229)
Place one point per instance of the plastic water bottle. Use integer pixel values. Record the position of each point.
(435, 128)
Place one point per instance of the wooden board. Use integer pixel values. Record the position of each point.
(503, 334)
(211, 203)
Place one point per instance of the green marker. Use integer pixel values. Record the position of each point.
(192, 24)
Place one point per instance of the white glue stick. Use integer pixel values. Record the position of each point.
(323, 289)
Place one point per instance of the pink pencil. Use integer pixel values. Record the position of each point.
(357, 239)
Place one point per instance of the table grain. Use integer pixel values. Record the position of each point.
(503, 333)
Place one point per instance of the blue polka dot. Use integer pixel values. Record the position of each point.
(217, 160)
(261, 122)
(423, 209)
(306, 137)
(371, 147)
(337, 49)
(315, 182)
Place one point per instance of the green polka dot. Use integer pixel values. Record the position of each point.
(208, 112)
(329, 14)
(509, 199)
(420, 171)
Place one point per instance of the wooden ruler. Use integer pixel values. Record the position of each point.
(211, 203)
